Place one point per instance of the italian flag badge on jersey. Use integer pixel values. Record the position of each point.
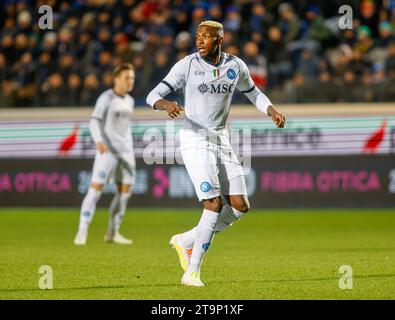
(216, 73)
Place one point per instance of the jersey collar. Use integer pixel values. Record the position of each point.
(213, 64)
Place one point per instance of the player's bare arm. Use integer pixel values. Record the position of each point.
(276, 116)
(172, 108)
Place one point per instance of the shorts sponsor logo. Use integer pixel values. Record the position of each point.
(102, 174)
(205, 186)
(205, 246)
(231, 74)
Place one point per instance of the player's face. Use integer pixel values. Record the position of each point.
(207, 41)
(124, 81)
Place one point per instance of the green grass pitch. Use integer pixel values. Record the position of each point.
(269, 254)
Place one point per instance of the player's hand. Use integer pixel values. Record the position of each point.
(276, 116)
(278, 119)
(173, 109)
(101, 147)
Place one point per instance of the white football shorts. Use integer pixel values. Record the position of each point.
(106, 164)
(212, 165)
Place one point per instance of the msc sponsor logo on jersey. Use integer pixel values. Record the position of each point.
(216, 88)
(121, 114)
(205, 186)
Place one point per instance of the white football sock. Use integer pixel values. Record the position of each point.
(114, 208)
(204, 235)
(227, 216)
(117, 211)
(88, 208)
(187, 238)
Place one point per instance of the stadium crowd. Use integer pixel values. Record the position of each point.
(295, 50)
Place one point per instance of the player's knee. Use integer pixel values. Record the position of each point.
(94, 193)
(214, 204)
(242, 205)
(124, 188)
(97, 186)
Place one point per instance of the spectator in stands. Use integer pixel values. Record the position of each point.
(7, 94)
(73, 91)
(317, 30)
(289, 22)
(389, 66)
(232, 20)
(308, 65)
(349, 87)
(99, 35)
(161, 66)
(279, 65)
(256, 63)
(90, 91)
(386, 34)
(369, 16)
(3, 67)
(53, 91)
(66, 65)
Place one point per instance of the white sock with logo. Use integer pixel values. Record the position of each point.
(204, 234)
(88, 208)
(226, 218)
(117, 211)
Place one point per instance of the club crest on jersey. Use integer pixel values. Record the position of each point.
(231, 74)
(205, 186)
(203, 88)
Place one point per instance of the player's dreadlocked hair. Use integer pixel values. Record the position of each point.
(213, 24)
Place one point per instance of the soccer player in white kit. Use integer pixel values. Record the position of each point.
(209, 78)
(110, 130)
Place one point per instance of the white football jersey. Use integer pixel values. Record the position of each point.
(208, 88)
(113, 112)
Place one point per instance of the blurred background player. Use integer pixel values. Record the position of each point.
(209, 79)
(110, 130)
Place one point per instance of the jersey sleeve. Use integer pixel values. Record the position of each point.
(245, 83)
(101, 106)
(175, 79)
(247, 86)
(96, 131)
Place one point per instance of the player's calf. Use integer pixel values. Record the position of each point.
(214, 204)
(239, 202)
